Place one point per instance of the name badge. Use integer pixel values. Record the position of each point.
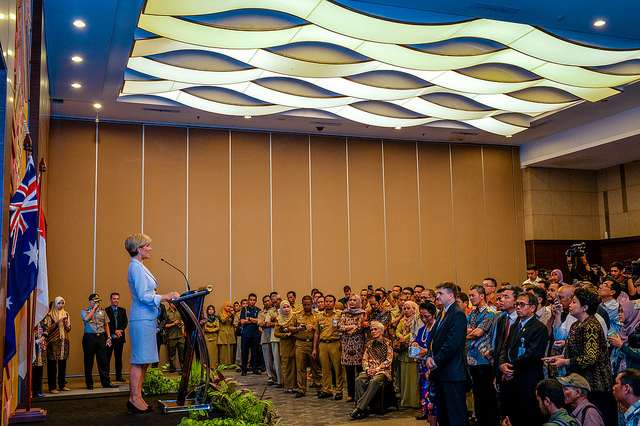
(335, 322)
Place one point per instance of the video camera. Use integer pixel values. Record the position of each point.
(577, 249)
(632, 268)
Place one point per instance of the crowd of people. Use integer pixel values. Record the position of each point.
(542, 351)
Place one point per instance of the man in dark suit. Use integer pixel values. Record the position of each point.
(117, 324)
(448, 365)
(521, 364)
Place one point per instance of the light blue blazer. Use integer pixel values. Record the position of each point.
(145, 302)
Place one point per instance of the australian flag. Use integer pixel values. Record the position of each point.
(23, 253)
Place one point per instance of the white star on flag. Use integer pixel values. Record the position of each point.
(32, 253)
(9, 303)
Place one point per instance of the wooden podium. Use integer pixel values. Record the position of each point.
(190, 306)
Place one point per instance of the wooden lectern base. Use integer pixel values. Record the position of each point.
(23, 416)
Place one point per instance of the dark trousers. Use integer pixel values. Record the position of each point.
(451, 404)
(61, 367)
(352, 371)
(484, 395)
(250, 344)
(115, 349)
(36, 380)
(94, 346)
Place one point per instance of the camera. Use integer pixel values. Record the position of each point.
(632, 268)
(577, 249)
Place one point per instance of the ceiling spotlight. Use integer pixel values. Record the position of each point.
(599, 23)
(508, 136)
(76, 85)
(77, 59)
(247, 116)
(97, 105)
(79, 24)
(398, 128)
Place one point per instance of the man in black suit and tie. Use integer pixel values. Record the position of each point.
(521, 364)
(118, 323)
(448, 364)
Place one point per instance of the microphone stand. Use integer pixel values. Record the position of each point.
(185, 277)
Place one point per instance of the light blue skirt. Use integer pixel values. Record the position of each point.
(144, 347)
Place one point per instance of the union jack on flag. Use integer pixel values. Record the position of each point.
(23, 256)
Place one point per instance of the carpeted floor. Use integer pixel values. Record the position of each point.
(108, 407)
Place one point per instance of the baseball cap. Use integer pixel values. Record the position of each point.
(575, 380)
(95, 298)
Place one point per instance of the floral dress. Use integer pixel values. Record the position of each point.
(427, 396)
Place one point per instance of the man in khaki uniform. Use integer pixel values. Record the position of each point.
(305, 329)
(326, 333)
(295, 308)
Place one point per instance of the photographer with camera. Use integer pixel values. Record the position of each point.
(625, 276)
(579, 267)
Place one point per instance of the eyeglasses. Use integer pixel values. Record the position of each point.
(522, 304)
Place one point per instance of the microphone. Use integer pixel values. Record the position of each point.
(185, 277)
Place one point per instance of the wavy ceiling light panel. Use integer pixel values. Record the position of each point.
(236, 57)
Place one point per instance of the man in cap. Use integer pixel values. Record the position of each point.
(575, 388)
(94, 341)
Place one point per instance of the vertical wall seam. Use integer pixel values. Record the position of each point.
(271, 203)
(419, 212)
(187, 233)
(515, 209)
(310, 215)
(95, 206)
(453, 217)
(384, 218)
(484, 204)
(346, 150)
(142, 218)
(623, 187)
(230, 252)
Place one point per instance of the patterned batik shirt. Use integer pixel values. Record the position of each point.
(479, 318)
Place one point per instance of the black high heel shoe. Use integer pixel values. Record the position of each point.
(132, 409)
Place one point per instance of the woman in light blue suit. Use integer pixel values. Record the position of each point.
(145, 307)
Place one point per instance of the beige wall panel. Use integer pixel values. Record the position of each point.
(469, 215)
(520, 254)
(119, 210)
(438, 255)
(366, 213)
(502, 223)
(165, 203)
(291, 222)
(329, 211)
(209, 213)
(71, 172)
(403, 228)
(250, 214)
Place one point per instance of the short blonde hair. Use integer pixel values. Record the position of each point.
(135, 242)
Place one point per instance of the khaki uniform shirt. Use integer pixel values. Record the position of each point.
(174, 332)
(301, 318)
(327, 325)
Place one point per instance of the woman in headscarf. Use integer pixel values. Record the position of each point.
(626, 346)
(226, 335)
(57, 326)
(284, 331)
(405, 334)
(352, 331)
(211, 328)
(556, 277)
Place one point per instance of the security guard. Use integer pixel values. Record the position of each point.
(305, 328)
(326, 332)
(94, 341)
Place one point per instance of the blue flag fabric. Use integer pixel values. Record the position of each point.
(23, 253)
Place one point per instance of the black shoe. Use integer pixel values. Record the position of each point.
(257, 372)
(132, 409)
(299, 395)
(238, 370)
(109, 385)
(323, 395)
(423, 417)
(244, 373)
(90, 387)
(357, 414)
(365, 414)
(270, 383)
(338, 397)
(120, 379)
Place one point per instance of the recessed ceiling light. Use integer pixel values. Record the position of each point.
(76, 85)
(247, 116)
(398, 128)
(77, 59)
(599, 23)
(97, 105)
(79, 24)
(508, 136)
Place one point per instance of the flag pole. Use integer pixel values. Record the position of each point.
(29, 414)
